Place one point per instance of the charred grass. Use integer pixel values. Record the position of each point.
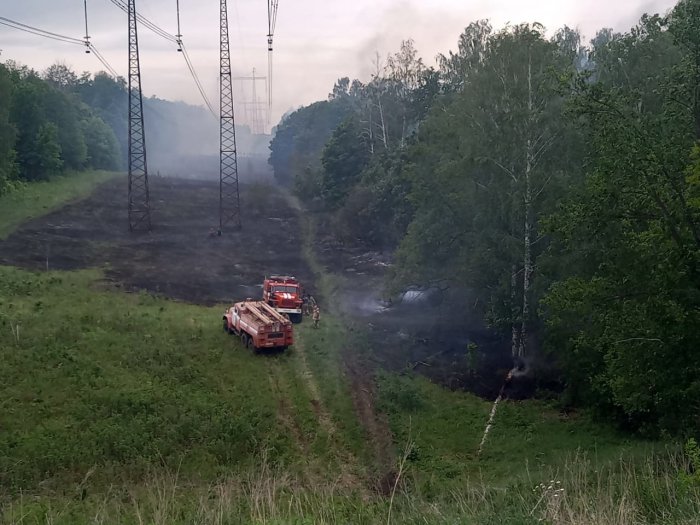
(36, 199)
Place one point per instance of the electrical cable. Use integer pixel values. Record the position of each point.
(146, 22)
(39, 32)
(60, 38)
(198, 83)
(176, 40)
(102, 59)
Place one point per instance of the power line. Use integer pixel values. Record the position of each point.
(179, 33)
(39, 32)
(90, 47)
(60, 38)
(175, 40)
(272, 15)
(147, 23)
(182, 49)
(85, 42)
(102, 59)
(196, 80)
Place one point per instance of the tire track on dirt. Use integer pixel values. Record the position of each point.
(285, 409)
(324, 418)
(348, 463)
(375, 424)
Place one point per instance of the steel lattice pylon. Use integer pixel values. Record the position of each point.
(229, 199)
(139, 207)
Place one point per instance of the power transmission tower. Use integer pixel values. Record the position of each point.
(139, 207)
(229, 199)
(257, 113)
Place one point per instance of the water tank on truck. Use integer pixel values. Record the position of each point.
(258, 325)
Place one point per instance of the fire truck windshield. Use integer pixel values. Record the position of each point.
(285, 289)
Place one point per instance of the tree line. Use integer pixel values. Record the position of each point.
(47, 125)
(558, 182)
(57, 120)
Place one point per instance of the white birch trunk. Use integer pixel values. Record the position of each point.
(371, 131)
(514, 311)
(403, 131)
(382, 122)
(527, 244)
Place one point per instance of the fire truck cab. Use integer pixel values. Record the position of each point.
(284, 294)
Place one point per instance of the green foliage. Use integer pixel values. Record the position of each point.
(377, 210)
(109, 99)
(691, 479)
(44, 161)
(121, 384)
(343, 159)
(8, 167)
(487, 165)
(622, 317)
(299, 139)
(66, 113)
(558, 185)
(348, 164)
(48, 128)
(101, 143)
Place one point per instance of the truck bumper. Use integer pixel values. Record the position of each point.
(289, 310)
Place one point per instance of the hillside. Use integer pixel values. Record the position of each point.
(125, 402)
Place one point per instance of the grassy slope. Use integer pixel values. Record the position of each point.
(36, 199)
(121, 382)
(126, 408)
(530, 443)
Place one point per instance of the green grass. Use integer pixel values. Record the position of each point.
(39, 198)
(128, 408)
(122, 384)
(530, 436)
(324, 347)
(136, 409)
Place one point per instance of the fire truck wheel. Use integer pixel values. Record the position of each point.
(249, 343)
(226, 326)
(243, 340)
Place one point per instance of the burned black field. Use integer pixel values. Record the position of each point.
(418, 332)
(180, 258)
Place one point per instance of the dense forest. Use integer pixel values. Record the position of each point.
(557, 182)
(57, 121)
(46, 126)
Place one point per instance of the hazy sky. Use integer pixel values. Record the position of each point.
(316, 41)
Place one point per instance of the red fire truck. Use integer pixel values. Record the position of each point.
(284, 294)
(258, 325)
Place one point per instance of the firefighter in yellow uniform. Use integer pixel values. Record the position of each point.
(316, 316)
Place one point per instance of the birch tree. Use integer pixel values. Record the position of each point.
(505, 133)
